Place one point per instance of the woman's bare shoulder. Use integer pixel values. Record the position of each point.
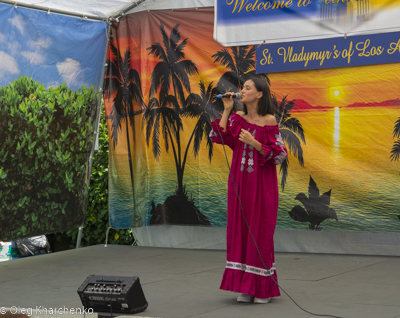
(240, 113)
(270, 120)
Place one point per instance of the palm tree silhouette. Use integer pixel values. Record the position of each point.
(241, 65)
(163, 118)
(292, 133)
(173, 68)
(395, 152)
(316, 207)
(123, 81)
(202, 107)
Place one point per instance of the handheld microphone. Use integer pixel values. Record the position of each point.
(236, 95)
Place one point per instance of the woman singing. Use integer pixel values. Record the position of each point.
(257, 146)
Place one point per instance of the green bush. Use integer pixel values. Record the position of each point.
(46, 138)
(96, 220)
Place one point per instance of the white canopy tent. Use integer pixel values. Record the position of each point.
(206, 237)
(104, 9)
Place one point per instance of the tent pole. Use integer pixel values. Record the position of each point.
(47, 9)
(96, 132)
(127, 8)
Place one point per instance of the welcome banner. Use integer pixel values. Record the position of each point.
(328, 53)
(340, 125)
(244, 22)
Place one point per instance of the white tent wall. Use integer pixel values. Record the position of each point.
(295, 241)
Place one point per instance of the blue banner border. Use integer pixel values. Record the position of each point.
(360, 50)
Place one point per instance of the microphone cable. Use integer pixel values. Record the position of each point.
(255, 243)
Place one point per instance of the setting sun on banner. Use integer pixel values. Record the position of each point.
(250, 22)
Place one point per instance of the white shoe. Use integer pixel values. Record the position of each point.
(261, 300)
(244, 298)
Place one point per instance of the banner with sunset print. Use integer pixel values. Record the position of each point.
(246, 22)
(341, 127)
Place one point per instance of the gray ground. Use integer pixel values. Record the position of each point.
(185, 283)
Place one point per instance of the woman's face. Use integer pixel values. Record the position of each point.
(250, 93)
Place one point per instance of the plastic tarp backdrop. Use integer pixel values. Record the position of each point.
(340, 125)
(50, 71)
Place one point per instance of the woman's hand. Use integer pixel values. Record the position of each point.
(246, 137)
(228, 102)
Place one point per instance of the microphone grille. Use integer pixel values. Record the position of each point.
(238, 95)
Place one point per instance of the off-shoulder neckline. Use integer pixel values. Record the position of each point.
(246, 122)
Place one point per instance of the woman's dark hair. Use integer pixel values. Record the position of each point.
(265, 104)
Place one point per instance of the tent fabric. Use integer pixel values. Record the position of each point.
(106, 8)
(171, 4)
(292, 241)
(99, 8)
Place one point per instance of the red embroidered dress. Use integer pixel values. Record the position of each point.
(256, 181)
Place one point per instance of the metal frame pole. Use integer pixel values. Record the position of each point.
(16, 4)
(96, 132)
(122, 12)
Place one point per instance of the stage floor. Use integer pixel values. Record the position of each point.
(185, 283)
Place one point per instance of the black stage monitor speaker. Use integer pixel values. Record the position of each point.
(112, 294)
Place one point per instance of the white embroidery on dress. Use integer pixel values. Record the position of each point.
(251, 269)
(212, 133)
(282, 155)
(250, 161)
(279, 140)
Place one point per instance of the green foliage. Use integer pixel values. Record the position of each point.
(96, 220)
(46, 138)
